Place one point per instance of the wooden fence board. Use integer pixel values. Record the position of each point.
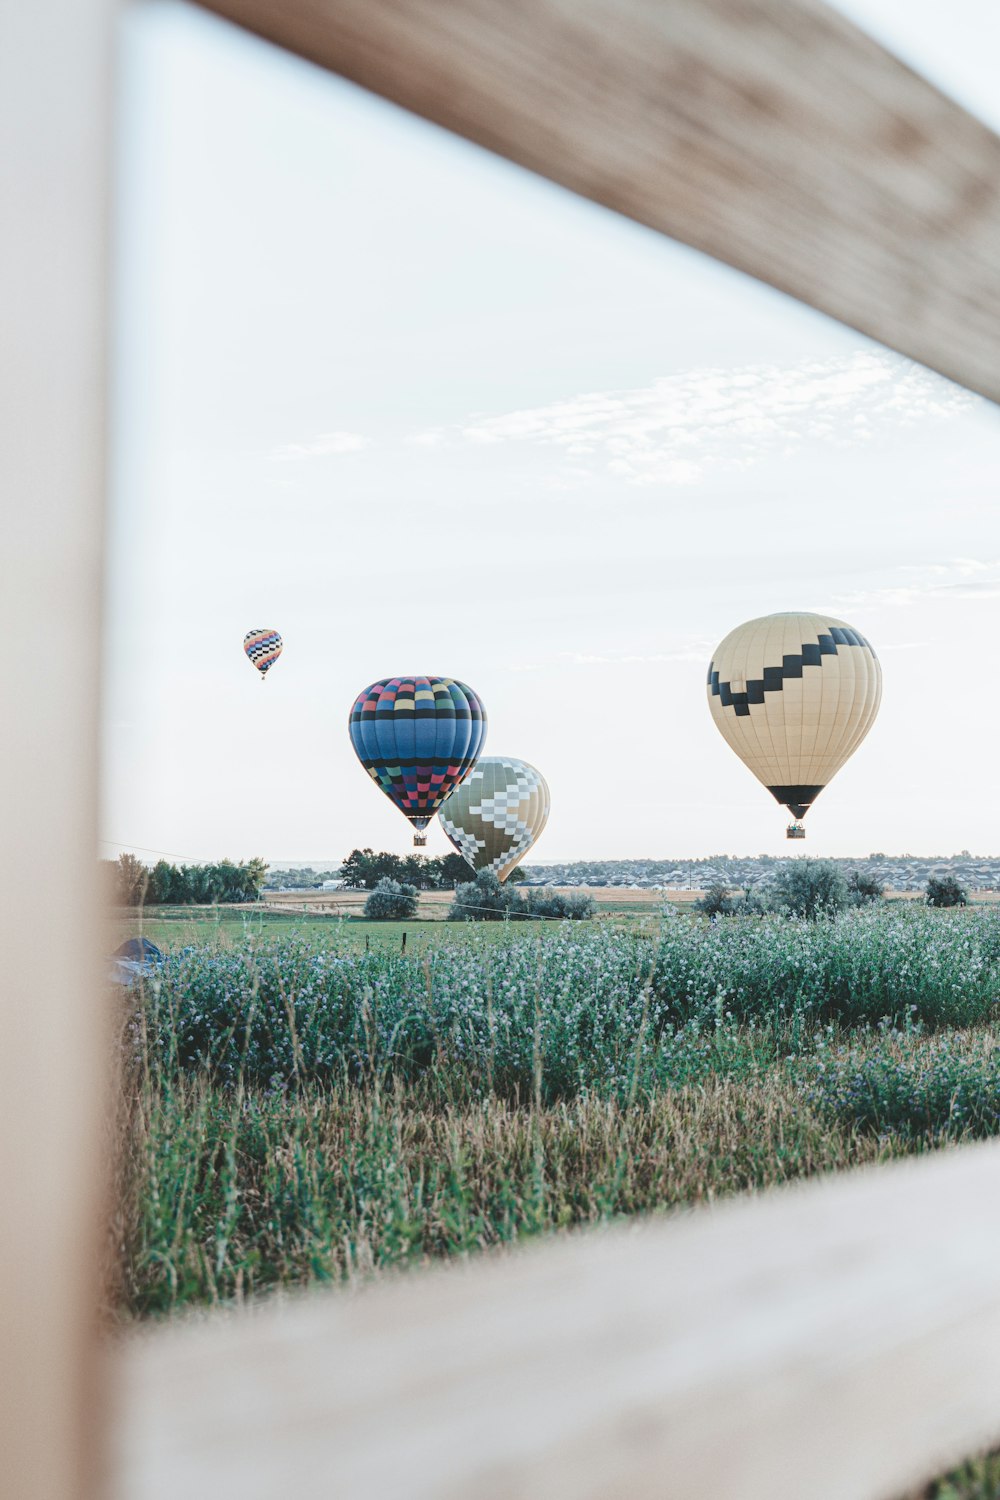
(55, 100)
(839, 1340)
(770, 133)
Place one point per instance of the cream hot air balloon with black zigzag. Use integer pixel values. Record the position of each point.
(794, 695)
(498, 812)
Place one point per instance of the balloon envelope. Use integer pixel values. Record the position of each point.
(794, 695)
(418, 738)
(263, 647)
(497, 813)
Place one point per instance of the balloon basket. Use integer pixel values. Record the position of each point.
(419, 840)
(795, 831)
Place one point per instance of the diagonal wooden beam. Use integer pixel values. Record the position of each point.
(770, 133)
(838, 1338)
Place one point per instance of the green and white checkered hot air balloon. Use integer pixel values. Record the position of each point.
(497, 813)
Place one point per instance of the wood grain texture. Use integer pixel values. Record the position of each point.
(839, 1340)
(55, 93)
(770, 133)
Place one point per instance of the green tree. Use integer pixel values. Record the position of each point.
(133, 880)
(227, 881)
(199, 884)
(810, 888)
(162, 884)
(363, 868)
(254, 875)
(169, 885)
(454, 869)
(391, 902)
(420, 871)
(863, 888)
(946, 890)
(286, 880)
(717, 901)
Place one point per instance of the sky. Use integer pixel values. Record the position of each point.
(424, 412)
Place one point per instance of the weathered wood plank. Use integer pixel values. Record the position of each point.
(770, 133)
(839, 1340)
(55, 93)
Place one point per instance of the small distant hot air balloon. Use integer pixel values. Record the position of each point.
(263, 647)
(497, 813)
(418, 738)
(794, 695)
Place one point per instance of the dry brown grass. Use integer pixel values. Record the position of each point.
(223, 1196)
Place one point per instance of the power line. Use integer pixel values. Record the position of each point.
(164, 852)
(513, 916)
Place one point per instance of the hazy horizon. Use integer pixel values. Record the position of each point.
(319, 865)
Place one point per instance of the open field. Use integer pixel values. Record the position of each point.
(302, 1103)
(433, 905)
(338, 915)
(182, 927)
(610, 900)
(341, 913)
(870, 1033)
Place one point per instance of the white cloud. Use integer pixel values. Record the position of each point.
(961, 578)
(323, 446)
(676, 430)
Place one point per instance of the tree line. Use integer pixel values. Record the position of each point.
(364, 868)
(304, 878)
(816, 888)
(164, 884)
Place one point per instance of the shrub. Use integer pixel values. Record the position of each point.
(810, 888)
(391, 902)
(945, 890)
(754, 901)
(950, 1085)
(488, 899)
(862, 888)
(716, 902)
(572, 906)
(485, 899)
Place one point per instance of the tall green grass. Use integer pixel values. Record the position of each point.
(296, 1111)
(224, 1194)
(574, 1011)
(911, 1087)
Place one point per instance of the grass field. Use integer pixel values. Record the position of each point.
(820, 1044)
(339, 916)
(342, 913)
(302, 1103)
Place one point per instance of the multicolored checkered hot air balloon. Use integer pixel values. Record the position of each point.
(794, 695)
(497, 813)
(418, 738)
(263, 647)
